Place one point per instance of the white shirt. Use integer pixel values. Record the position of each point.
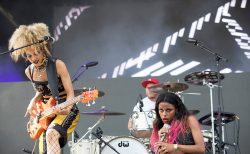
(148, 105)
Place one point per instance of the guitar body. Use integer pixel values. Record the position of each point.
(37, 125)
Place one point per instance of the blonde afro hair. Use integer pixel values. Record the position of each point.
(27, 34)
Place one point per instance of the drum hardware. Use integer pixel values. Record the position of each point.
(226, 117)
(207, 78)
(89, 145)
(102, 112)
(73, 145)
(98, 135)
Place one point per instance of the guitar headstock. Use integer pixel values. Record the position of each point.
(88, 95)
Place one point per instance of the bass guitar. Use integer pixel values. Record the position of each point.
(38, 123)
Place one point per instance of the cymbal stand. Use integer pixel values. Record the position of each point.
(211, 86)
(89, 131)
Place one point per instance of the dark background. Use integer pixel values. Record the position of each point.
(126, 38)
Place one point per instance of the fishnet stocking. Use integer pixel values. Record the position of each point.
(52, 139)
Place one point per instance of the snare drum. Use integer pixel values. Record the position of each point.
(85, 146)
(125, 145)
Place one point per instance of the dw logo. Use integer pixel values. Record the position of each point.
(123, 144)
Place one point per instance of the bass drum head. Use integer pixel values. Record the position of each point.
(125, 145)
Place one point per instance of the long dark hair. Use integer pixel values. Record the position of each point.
(181, 113)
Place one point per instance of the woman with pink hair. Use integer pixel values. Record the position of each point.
(175, 130)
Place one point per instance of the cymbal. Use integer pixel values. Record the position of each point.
(194, 112)
(102, 112)
(198, 78)
(226, 117)
(79, 91)
(169, 87)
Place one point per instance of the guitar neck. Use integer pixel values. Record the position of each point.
(63, 105)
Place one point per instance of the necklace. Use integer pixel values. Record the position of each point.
(41, 69)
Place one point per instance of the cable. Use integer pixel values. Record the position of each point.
(238, 134)
(34, 147)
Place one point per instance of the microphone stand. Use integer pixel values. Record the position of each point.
(12, 50)
(217, 58)
(141, 103)
(78, 73)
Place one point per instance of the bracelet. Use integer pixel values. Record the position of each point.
(175, 146)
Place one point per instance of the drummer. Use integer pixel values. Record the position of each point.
(147, 104)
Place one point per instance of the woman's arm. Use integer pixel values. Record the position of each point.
(36, 98)
(197, 148)
(63, 73)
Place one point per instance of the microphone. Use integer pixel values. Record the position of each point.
(90, 64)
(163, 137)
(194, 41)
(49, 39)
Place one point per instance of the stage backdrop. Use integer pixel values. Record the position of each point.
(137, 39)
(141, 38)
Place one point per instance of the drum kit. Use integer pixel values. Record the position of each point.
(106, 144)
(142, 122)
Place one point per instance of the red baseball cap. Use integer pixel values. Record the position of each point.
(150, 80)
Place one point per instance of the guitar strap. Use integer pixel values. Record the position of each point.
(52, 77)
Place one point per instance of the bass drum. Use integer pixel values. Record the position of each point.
(125, 145)
(85, 146)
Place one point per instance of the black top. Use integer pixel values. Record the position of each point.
(186, 138)
(44, 87)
